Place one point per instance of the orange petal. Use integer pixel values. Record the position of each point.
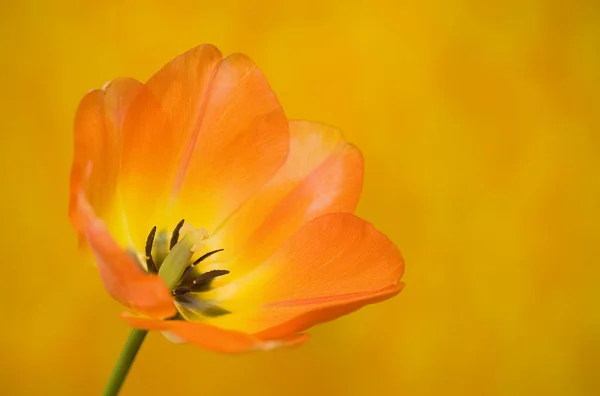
(300, 318)
(96, 152)
(157, 132)
(241, 141)
(123, 278)
(211, 337)
(333, 265)
(322, 174)
(206, 131)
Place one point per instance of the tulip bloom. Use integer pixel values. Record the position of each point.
(213, 218)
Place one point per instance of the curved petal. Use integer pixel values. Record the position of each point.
(156, 135)
(203, 136)
(322, 174)
(211, 337)
(97, 135)
(242, 141)
(299, 318)
(123, 278)
(333, 265)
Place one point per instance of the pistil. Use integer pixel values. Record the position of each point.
(176, 269)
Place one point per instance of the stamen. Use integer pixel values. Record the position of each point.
(149, 261)
(207, 255)
(200, 284)
(208, 276)
(175, 236)
(199, 260)
(203, 282)
(202, 307)
(213, 311)
(179, 291)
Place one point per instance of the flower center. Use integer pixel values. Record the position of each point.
(191, 281)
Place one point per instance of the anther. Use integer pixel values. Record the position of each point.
(203, 282)
(179, 291)
(207, 255)
(149, 261)
(208, 276)
(175, 236)
(199, 260)
(200, 284)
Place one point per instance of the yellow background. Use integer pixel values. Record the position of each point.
(480, 125)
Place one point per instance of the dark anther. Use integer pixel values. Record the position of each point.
(207, 255)
(202, 283)
(175, 236)
(202, 258)
(149, 261)
(179, 291)
(208, 276)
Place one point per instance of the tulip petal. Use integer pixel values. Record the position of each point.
(156, 135)
(332, 266)
(242, 141)
(122, 276)
(213, 338)
(97, 136)
(204, 135)
(301, 318)
(322, 174)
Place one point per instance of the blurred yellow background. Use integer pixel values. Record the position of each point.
(480, 125)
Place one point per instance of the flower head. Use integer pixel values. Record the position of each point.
(268, 245)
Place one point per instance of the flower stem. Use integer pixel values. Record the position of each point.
(130, 350)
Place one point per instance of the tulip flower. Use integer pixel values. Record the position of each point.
(213, 218)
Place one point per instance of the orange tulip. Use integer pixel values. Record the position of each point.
(276, 249)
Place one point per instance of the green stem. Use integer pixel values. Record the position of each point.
(130, 350)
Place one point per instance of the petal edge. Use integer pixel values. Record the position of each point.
(333, 265)
(123, 278)
(213, 338)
